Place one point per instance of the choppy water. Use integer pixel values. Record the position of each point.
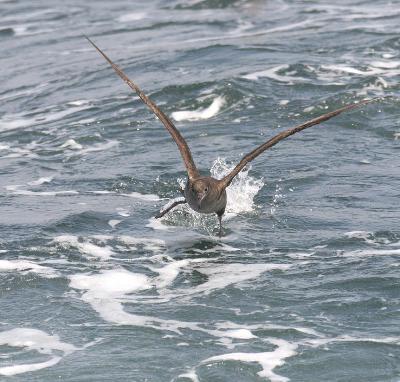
(304, 285)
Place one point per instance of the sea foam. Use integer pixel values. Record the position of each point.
(33, 340)
(25, 267)
(196, 115)
(267, 360)
(85, 246)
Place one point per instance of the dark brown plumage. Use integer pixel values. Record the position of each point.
(206, 194)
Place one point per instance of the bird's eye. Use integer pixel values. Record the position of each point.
(206, 189)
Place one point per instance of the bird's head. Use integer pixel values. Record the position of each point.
(201, 190)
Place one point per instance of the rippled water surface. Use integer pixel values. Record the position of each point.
(304, 283)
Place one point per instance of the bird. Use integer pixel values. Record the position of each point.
(205, 194)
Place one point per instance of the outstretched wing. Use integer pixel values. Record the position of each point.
(181, 143)
(226, 181)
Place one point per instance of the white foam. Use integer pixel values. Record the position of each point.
(144, 197)
(72, 144)
(267, 360)
(168, 273)
(157, 224)
(220, 276)
(85, 247)
(386, 64)
(149, 244)
(196, 115)
(227, 326)
(33, 340)
(191, 374)
(273, 73)
(372, 252)
(367, 237)
(316, 342)
(96, 245)
(20, 30)
(242, 190)
(350, 70)
(376, 87)
(113, 223)
(376, 68)
(106, 292)
(284, 102)
(109, 283)
(102, 192)
(308, 109)
(379, 71)
(17, 152)
(243, 334)
(135, 195)
(126, 18)
(25, 266)
(300, 255)
(381, 340)
(388, 55)
(40, 181)
(235, 34)
(396, 136)
(16, 121)
(85, 121)
(15, 189)
(24, 368)
(46, 193)
(227, 248)
(98, 147)
(29, 90)
(79, 102)
(123, 212)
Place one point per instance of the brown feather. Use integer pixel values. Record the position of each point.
(226, 181)
(179, 140)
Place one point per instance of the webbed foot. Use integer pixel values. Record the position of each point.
(173, 205)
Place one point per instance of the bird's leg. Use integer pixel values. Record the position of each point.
(219, 214)
(173, 205)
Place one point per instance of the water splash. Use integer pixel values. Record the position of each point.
(242, 190)
(278, 196)
(240, 193)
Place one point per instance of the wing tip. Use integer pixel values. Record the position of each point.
(90, 40)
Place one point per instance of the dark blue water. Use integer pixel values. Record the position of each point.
(304, 284)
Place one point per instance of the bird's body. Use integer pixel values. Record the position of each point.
(206, 194)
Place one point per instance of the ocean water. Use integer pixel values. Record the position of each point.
(304, 285)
